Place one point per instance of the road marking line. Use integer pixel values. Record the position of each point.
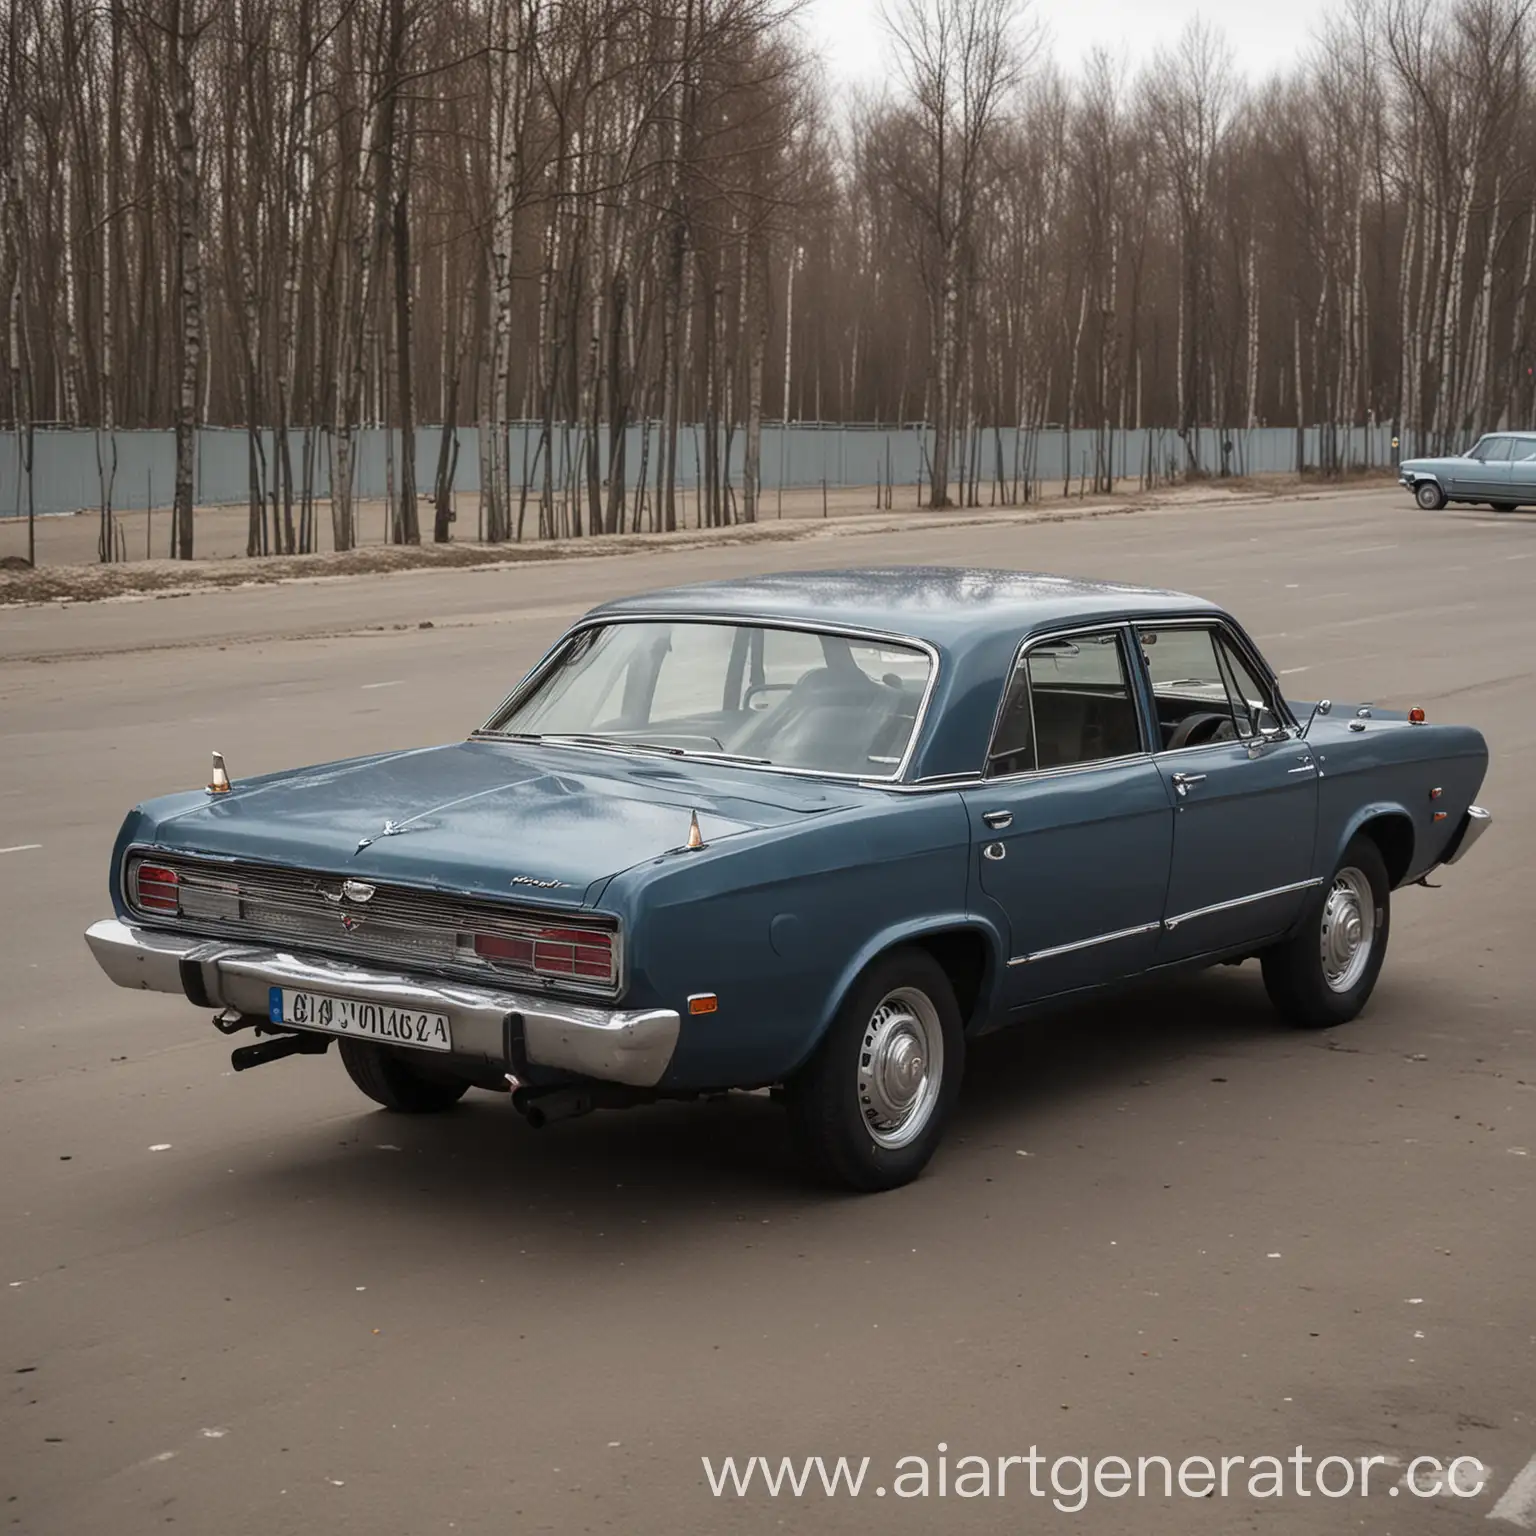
(1518, 1505)
(21, 848)
(1292, 671)
(394, 684)
(1368, 549)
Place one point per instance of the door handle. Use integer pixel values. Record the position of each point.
(1182, 781)
(998, 819)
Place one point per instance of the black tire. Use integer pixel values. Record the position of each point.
(845, 1113)
(1429, 495)
(1503, 506)
(390, 1079)
(1310, 991)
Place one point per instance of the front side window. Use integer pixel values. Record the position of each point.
(1068, 702)
(751, 693)
(1204, 690)
(1494, 450)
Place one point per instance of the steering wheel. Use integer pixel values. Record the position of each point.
(1198, 730)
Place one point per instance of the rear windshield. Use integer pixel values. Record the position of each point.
(789, 698)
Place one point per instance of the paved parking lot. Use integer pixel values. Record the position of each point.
(1163, 1225)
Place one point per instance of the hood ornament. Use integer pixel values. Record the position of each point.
(219, 783)
(395, 828)
(695, 837)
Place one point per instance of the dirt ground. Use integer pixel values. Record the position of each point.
(68, 568)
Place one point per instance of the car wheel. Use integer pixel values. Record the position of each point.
(1326, 971)
(869, 1108)
(389, 1079)
(1502, 506)
(1429, 496)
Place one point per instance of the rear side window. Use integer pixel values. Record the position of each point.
(1525, 449)
(1068, 702)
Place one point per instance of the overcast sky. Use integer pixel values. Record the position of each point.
(1264, 34)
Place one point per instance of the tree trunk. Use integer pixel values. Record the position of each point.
(189, 269)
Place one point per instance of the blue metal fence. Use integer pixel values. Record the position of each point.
(68, 462)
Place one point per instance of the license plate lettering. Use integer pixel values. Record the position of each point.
(357, 1016)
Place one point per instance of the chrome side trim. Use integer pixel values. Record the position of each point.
(1065, 769)
(1475, 824)
(1170, 923)
(735, 621)
(977, 781)
(1067, 949)
(632, 1046)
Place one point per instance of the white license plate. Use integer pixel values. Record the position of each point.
(352, 1016)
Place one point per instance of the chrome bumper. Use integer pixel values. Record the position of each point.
(1473, 825)
(633, 1047)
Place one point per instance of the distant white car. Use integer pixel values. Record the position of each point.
(1498, 471)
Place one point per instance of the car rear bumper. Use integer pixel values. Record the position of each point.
(1473, 825)
(507, 1029)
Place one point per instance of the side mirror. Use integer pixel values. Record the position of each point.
(1322, 707)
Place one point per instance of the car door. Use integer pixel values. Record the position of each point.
(1486, 473)
(1522, 484)
(1244, 787)
(1072, 832)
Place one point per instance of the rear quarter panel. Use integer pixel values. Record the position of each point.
(779, 923)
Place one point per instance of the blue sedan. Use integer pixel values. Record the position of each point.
(1498, 471)
(809, 832)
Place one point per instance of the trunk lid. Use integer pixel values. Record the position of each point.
(543, 823)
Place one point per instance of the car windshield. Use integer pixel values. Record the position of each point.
(789, 698)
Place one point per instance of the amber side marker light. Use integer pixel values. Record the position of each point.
(1416, 717)
(704, 1002)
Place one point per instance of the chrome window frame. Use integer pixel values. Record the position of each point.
(546, 663)
(1245, 649)
(1122, 628)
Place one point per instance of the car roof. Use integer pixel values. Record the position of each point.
(949, 607)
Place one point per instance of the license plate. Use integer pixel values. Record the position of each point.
(352, 1016)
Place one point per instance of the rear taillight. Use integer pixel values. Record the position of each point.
(583, 954)
(156, 889)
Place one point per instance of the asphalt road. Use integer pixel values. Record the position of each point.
(1162, 1225)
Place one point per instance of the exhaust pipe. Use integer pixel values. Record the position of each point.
(541, 1109)
(248, 1056)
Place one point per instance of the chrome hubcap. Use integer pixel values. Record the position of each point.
(1348, 929)
(901, 1064)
